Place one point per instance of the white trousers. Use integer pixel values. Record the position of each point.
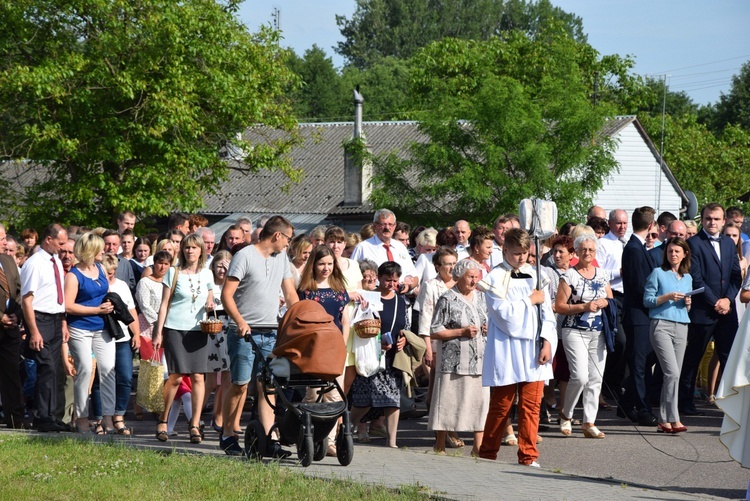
(587, 354)
(82, 343)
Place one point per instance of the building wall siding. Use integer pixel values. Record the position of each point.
(637, 182)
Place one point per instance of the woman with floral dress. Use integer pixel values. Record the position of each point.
(459, 401)
(323, 282)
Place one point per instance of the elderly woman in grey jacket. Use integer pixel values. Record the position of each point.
(459, 324)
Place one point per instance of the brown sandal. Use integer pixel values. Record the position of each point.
(195, 438)
(161, 435)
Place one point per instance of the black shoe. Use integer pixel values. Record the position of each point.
(49, 427)
(275, 451)
(65, 427)
(231, 446)
(627, 412)
(647, 419)
(691, 411)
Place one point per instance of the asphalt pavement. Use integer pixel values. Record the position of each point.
(632, 462)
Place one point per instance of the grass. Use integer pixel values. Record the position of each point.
(62, 469)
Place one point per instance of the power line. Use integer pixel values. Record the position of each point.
(707, 87)
(705, 73)
(711, 80)
(707, 64)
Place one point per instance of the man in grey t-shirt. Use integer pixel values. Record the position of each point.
(250, 297)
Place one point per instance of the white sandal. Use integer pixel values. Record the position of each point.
(510, 439)
(592, 432)
(566, 426)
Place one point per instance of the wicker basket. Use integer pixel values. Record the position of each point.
(367, 328)
(211, 325)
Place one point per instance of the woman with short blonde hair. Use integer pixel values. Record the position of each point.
(86, 286)
(88, 248)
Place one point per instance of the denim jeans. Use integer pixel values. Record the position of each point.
(124, 377)
(242, 362)
(123, 386)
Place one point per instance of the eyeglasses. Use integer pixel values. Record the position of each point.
(288, 238)
(388, 225)
(653, 235)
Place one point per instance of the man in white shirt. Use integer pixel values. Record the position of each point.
(43, 307)
(609, 248)
(502, 224)
(462, 230)
(596, 211)
(209, 240)
(381, 247)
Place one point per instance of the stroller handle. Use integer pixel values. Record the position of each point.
(248, 336)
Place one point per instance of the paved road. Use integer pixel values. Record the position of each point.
(631, 463)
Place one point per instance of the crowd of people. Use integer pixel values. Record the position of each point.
(500, 321)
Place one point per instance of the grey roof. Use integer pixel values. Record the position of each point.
(321, 156)
(302, 223)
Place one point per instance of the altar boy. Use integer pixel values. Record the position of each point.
(518, 357)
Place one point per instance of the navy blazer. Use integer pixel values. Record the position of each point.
(636, 267)
(721, 279)
(657, 255)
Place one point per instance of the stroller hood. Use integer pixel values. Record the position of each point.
(309, 339)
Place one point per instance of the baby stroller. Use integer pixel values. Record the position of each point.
(309, 353)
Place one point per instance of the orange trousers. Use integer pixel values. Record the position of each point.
(501, 401)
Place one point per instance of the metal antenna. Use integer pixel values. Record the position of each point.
(276, 15)
(661, 153)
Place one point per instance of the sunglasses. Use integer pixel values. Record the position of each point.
(653, 235)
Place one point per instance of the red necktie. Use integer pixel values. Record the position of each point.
(388, 252)
(58, 282)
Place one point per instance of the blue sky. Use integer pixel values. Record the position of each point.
(699, 44)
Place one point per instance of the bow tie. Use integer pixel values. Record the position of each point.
(715, 239)
(519, 274)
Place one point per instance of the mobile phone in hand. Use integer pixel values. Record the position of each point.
(386, 338)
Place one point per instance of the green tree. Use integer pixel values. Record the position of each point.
(713, 166)
(654, 98)
(507, 119)
(398, 28)
(385, 87)
(124, 105)
(734, 107)
(320, 97)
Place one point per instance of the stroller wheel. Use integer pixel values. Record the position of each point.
(256, 440)
(306, 450)
(344, 448)
(320, 449)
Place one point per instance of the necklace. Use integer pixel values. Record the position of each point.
(194, 290)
